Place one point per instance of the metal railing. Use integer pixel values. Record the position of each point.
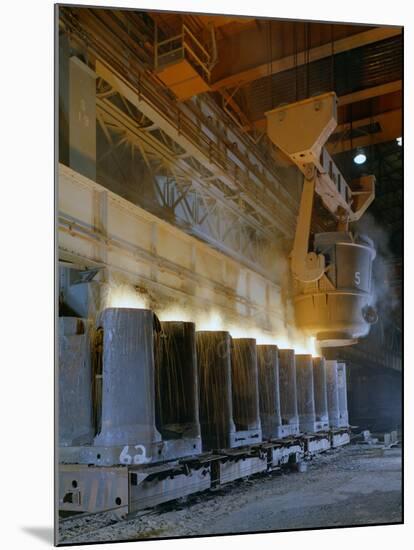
(182, 46)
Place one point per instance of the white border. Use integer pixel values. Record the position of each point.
(26, 273)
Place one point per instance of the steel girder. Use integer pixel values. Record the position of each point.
(181, 184)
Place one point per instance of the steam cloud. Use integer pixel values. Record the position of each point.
(384, 297)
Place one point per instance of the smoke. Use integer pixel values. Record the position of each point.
(119, 293)
(383, 296)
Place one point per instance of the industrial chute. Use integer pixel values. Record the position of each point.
(333, 271)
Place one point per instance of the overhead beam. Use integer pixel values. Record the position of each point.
(382, 118)
(307, 56)
(222, 20)
(367, 93)
(391, 128)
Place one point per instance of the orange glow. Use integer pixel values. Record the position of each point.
(285, 335)
(123, 295)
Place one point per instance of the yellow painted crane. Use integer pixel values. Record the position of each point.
(332, 274)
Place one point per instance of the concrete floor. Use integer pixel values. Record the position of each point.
(355, 485)
(359, 488)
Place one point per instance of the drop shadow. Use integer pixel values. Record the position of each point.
(45, 534)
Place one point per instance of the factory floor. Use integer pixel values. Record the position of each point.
(355, 485)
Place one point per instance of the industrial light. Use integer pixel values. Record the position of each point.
(360, 158)
(399, 141)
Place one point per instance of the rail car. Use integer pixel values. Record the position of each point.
(152, 411)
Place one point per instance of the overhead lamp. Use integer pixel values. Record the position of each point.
(399, 141)
(360, 157)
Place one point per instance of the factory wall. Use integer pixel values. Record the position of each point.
(374, 398)
(126, 243)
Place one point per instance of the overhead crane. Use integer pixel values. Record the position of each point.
(332, 271)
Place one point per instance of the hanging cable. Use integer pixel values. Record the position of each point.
(307, 47)
(371, 145)
(271, 64)
(350, 134)
(295, 59)
(332, 61)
